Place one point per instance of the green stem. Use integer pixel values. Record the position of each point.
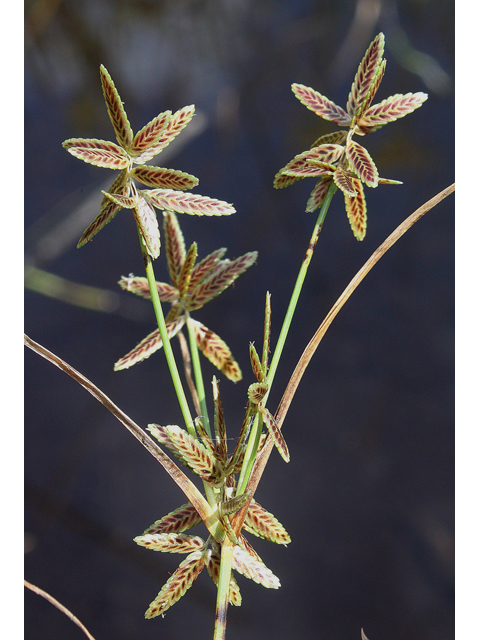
(254, 439)
(223, 589)
(197, 370)
(177, 383)
(167, 347)
(298, 285)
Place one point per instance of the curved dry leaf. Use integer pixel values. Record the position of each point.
(357, 211)
(101, 153)
(164, 178)
(150, 134)
(362, 164)
(170, 542)
(178, 121)
(366, 74)
(178, 583)
(181, 519)
(116, 112)
(192, 204)
(321, 105)
(215, 349)
(139, 286)
(254, 569)
(148, 345)
(318, 194)
(264, 525)
(267, 327)
(392, 108)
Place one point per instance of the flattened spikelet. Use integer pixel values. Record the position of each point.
(318, 194)
(189, 203)
(150, 134)
(178, 583)
(170, 542)
(139, 286)
(264, 525)
(175, 245)
(254, 569)
(392, 108)
(215, 349)
(148, 345)
(344, 182)
(320, 105)
(362, 164)
(366, 74)
(116, 112)
(220, 277)
(178, 121)
(357, 212)
(192, 453)
(177, 521)
(164, 178)
(146, 220)
(101, 153)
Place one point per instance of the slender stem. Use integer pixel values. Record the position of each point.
(254, 439)
(299, 283)
(223, 589)
(167, 347)
(177, 383)
(197, 369)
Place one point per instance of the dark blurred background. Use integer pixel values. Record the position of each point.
(368, 494)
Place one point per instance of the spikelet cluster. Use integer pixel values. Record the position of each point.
(336, 156)
(129, 155)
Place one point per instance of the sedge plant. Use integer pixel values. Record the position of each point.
(226, 506)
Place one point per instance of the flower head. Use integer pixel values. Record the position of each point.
(130, 156)
(336, 156)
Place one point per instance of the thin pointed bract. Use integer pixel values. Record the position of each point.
(361, 118)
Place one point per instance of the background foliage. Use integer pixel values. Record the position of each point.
(368, 494)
